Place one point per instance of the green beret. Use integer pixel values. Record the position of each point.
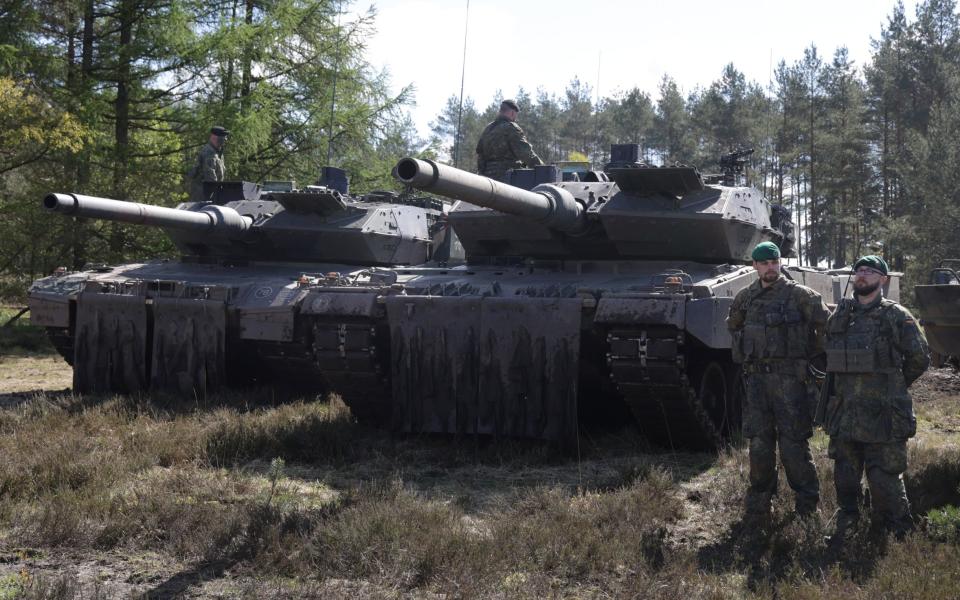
(765, 251)
(873, 261)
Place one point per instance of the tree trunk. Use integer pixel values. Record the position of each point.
(122, 119)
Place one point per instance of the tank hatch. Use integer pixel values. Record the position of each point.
(320, 201)
(675, 181)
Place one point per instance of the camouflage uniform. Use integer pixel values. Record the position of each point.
(776, 330)
(209, 167)
(874, 353)
(503, 146)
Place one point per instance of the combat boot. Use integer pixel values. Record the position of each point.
(807, 507)
(845, 525)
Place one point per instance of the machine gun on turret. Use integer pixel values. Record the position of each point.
(731, 166)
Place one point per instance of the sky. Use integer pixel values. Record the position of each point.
(610, 45)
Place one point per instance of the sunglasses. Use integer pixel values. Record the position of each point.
(864, 271)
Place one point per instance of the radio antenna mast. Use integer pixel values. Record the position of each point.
(463, 76)
(333, 93)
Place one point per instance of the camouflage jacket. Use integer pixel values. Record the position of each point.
(874, 353)
(783, 321)
(209, 167)
(503, 146)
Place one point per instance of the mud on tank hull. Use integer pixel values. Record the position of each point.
(938, 305)
(530, 351)
(524, 351)
(181, 327)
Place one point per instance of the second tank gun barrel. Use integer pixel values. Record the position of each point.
(211, 217)
(548, 204)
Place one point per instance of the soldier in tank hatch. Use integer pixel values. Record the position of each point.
(777, 326)
(503, 146)
(209, 165)
(875, 350)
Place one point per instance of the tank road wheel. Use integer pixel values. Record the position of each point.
(714, 395)
(738, 396)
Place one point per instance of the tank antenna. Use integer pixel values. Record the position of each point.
(463, 76)
(333, 93)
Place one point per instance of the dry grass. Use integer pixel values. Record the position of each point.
(245, 496)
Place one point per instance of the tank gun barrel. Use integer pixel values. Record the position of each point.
(209, 218)
(548, 204)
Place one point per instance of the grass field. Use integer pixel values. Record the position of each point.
(245, 495)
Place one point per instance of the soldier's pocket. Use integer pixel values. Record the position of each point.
(831, 422)
(903, 423)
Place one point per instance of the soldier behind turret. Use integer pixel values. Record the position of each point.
(209, 165)
(503, 146)
(777, 327)
(875, 350)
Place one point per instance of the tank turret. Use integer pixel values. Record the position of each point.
(315, 224)
(634, 211)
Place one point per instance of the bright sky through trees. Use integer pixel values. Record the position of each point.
(547, 43)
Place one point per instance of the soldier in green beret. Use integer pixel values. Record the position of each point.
(503, 146)
(875, 350)
(777, 327)
(209, 165)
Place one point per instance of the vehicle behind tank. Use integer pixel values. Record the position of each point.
(938, 303)
(579, 297)
(231, 310)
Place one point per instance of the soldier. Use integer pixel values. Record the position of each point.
(777, 327)
(875, 350)
(209, 165)
(502, 145)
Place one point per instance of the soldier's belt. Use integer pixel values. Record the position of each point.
(783, 366)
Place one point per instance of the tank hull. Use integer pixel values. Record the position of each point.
(525, 351)
(939, 308)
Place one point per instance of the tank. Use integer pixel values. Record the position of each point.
(583, 294)
(232, 309)
(938, 303)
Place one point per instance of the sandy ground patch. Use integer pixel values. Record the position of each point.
(27, 374)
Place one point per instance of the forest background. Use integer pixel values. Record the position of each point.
(114, 98)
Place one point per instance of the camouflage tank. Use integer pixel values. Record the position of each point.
(233, 308)
(939, 306)
(584, 296)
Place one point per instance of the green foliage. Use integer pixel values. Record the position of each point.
(20, 336)
(123, 113)
(943, 524)
(121, 95)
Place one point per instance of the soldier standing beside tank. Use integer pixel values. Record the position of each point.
(209, 165)
(777, 327)
(875, 350)
(503, 146)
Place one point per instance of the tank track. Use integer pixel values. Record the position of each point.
(62, 340)
(650, 370)
(351, 356)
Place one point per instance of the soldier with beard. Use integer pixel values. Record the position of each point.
(875, 350)
(777, 326)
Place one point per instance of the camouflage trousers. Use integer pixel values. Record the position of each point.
(884, 465)
(779, 412)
